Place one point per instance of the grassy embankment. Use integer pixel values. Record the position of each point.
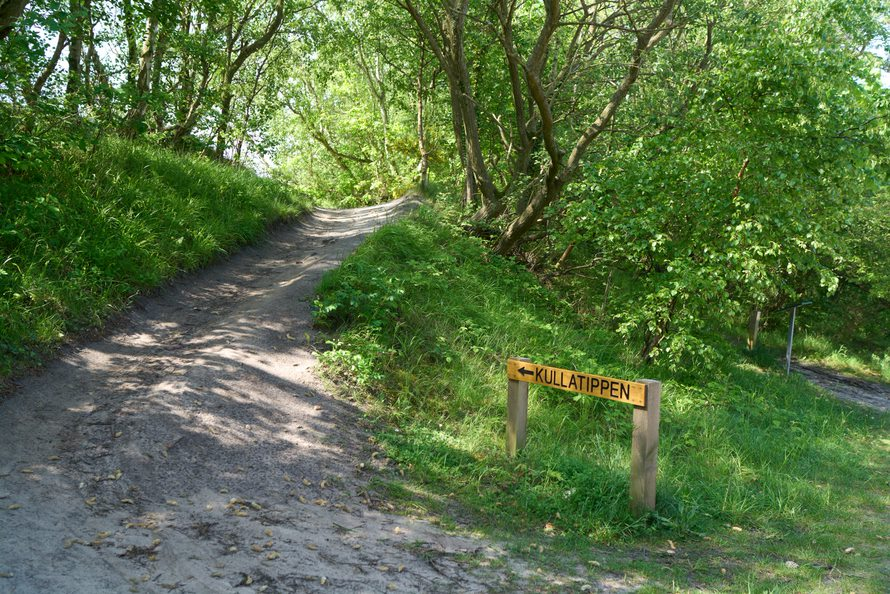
(764, 482)
(82, 234)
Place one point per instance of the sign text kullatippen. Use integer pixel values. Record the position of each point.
(575, 381)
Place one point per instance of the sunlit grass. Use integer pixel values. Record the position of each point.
(81, 236)
(426, 320)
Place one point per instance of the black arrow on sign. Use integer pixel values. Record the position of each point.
(524, 371)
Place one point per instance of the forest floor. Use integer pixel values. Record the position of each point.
(194, 449)
(874, 395)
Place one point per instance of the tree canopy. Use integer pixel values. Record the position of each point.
(687, 161)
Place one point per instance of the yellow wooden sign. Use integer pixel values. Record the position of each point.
(575, 381)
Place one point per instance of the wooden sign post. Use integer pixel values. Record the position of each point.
(644, 395)
(644, 450)
(517, 414)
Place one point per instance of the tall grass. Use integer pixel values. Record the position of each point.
(426, 320)
(82, 234)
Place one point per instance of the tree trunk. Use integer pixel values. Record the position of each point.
(542, 195)
(559, 175)
(605, 304)
(234, 66)
(132, 50)
(524, 127)
(460, 79)
(98, 68)
(92, 67)
(156, 69)
(33, 92)
(384, 118)
(185, 82)
(143, 77)
(653, 338)
(447, 45)
(75, 54)
(248, 106)
(457, 123)
(10, 12)
(224, 113)
(188, 119)
(753, 327)
(424, 165)
(374, 77)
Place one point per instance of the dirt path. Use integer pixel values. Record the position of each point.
(873, 395)
(194, 450)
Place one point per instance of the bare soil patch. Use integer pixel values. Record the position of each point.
(874, 395)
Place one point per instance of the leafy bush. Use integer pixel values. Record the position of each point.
(30, 139)
(363, 294)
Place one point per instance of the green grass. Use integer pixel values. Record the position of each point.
(815, 347)
(84, 232)
(426, 318)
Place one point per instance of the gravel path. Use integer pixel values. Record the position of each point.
(195, 450)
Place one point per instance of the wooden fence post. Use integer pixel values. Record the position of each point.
(644, 450)
(753, 327)
(517, 413)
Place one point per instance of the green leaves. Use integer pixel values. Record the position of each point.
(744, 200)
(364, 294)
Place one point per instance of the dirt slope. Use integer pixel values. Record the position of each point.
(194, 450)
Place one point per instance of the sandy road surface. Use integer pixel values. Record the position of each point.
(194, 450)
